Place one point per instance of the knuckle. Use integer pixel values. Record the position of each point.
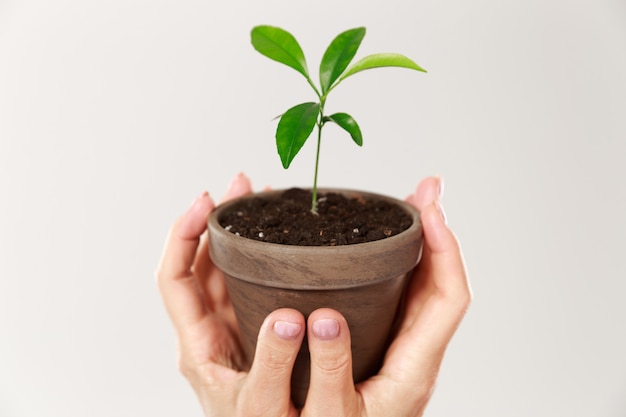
(158, 271)
(250, 409)
(185, 369)
(187, 366)
(469, 296)
(160, 277)
(275, 359)
(459, 297)
(464, 298)
(333, 362)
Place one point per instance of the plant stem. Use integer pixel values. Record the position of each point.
(320, 124)
(317, 160)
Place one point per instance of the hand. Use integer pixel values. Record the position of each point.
(437, 297)
(210, 356)
(211, 359)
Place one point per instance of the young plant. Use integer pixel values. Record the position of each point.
(297, 123)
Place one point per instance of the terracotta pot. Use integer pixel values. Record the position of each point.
(364, 282)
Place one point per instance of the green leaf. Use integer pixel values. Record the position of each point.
(338, 55)
(347, 123)
(381, 60)
(279, 45)
(294, 128)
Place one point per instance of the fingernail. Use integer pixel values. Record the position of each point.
(286, 330)
(326, 329)
(441, 212)
(202, 195)
(236, 185)
(440, 188)
(198, 198)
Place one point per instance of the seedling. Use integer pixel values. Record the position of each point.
(296, 124)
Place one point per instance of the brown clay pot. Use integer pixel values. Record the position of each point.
(364, 282)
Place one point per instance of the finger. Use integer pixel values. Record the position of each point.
(331, 390)
(239, 186)
(428, 190)
(442, 265)
(212, 282)
(439, 292)
(268, 386)
(437, 297)
(436, 301)
(179, 289)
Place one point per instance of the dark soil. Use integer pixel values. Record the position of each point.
(340, 220)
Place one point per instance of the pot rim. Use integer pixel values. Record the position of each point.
(344, 256)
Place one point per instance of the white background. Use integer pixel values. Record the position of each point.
(115, 114)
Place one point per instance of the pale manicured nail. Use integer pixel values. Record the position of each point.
(202, 195)
(236, 185)
(441, 212)
(326, 329)
(440, 187)
(286, 330)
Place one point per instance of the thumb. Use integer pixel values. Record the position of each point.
(332, 391)
(267, 388)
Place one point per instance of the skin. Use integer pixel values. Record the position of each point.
(210, 357)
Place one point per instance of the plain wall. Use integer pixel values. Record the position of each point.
(115, 114)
